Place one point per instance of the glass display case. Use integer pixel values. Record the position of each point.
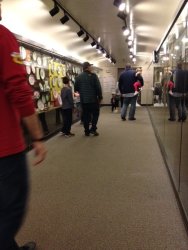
(169, 113)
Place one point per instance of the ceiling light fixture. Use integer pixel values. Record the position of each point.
(80, 32)
(117, 2)
(93, 43)
(54, 11)
(130, 38)
(64, 19)
(126, 32)
(122, 15)
(97, 47)
(134, 59)
(131, 49)
(122, 7)
(86, 38)
(58, 6)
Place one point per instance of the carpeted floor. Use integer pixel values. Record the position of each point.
(110, 192)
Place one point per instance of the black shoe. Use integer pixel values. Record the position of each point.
(179, 120)
(171, 119)
(87, 134)
(132, 119)
(123, 119)
(184, 119)
(95, 133)
(29, 246)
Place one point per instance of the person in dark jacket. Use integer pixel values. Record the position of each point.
(127, 90)
(67, 107)
(89, 88)
(177, 89)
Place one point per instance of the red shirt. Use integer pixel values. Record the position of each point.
(15, 95)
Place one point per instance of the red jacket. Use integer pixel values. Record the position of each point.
(15, 95)
(137, 86)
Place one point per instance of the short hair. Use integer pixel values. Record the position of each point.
(128, 66)
(179, 65)
(65, 80)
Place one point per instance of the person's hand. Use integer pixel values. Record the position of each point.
(39, 151)
(170, 92)
(136, 93)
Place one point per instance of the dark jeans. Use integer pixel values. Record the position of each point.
(13, 197)
(67, 120)
(179, 103)
(90, 114)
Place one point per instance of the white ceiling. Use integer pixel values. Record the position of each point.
(151, 19)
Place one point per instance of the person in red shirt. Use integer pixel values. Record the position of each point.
(16, 105)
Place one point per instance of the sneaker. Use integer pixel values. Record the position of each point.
(61, 133)
(95, 133)
(132, 119)
(71, 134)
(67, 135)
(29, 246)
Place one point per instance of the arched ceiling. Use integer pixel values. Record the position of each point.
(31, 19)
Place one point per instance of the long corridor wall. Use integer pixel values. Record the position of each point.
(170, 98)
(173, 139)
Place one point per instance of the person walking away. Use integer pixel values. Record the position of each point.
(126, 86)
(16, 104)
(89, 87)
(67, 107)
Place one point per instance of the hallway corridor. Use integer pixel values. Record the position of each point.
(110, 192)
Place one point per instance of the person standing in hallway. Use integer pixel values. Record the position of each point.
(126, 86)
(16, 104)
(67, 107)
(89, 88)
(177, 90)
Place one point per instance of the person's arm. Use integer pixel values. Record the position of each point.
(76, 85)
(99, 89)
(34, 129)
(17, 90)
(120, 85)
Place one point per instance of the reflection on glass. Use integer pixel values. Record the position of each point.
(169, 113)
